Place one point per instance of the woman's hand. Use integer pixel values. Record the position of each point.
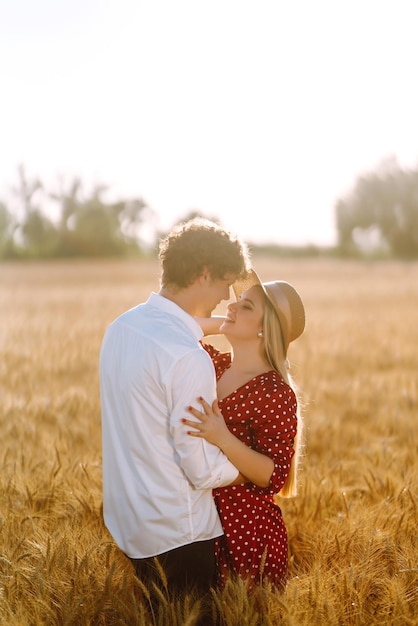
(252, 465)
(211, 425)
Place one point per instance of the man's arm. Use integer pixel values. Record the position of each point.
(204, 464)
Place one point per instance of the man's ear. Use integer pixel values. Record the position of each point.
(204, 276)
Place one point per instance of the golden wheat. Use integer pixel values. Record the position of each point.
(353, 526)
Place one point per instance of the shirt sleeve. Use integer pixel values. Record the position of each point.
(203, 463)
(274, 426)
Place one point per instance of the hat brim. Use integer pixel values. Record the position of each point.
(243, 284)
(278, 294)
(251, 280)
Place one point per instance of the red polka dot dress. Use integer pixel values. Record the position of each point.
(262, 414)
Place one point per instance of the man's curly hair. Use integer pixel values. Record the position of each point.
(197, 244)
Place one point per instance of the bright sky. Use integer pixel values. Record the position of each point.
(261, 113)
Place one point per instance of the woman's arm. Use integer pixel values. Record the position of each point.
(210, 325)
(256, 467)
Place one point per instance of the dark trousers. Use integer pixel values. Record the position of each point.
(188, 568)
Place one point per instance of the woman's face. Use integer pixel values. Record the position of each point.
(244, 318)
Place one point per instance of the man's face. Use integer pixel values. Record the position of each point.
(215, 290)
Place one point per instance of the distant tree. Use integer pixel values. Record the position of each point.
(189, 216)
(6, 232)
(95, 230)
(26, 189)
(90, 226)
(134, 216)
(87, 224)
(39, 235)
(68, 202)
(36, 234)
(383, 202)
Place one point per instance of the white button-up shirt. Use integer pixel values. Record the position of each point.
(157, 479)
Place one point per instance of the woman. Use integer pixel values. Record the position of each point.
(256, 422)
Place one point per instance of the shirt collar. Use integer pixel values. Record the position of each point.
(170, 307)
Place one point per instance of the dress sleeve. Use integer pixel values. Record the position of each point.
(273, 429)
(221, 360)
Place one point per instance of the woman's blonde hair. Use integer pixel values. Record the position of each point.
(274, 350)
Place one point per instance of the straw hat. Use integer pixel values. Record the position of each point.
(285, 300)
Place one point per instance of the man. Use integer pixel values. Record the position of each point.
(157, 480)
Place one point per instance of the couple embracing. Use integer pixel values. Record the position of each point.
(197, 443)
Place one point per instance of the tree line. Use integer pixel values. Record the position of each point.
(380, 213)
(379, 216)
(86, 224)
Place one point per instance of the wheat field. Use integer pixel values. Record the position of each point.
(353, 526)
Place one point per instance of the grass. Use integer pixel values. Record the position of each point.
(353, 526)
